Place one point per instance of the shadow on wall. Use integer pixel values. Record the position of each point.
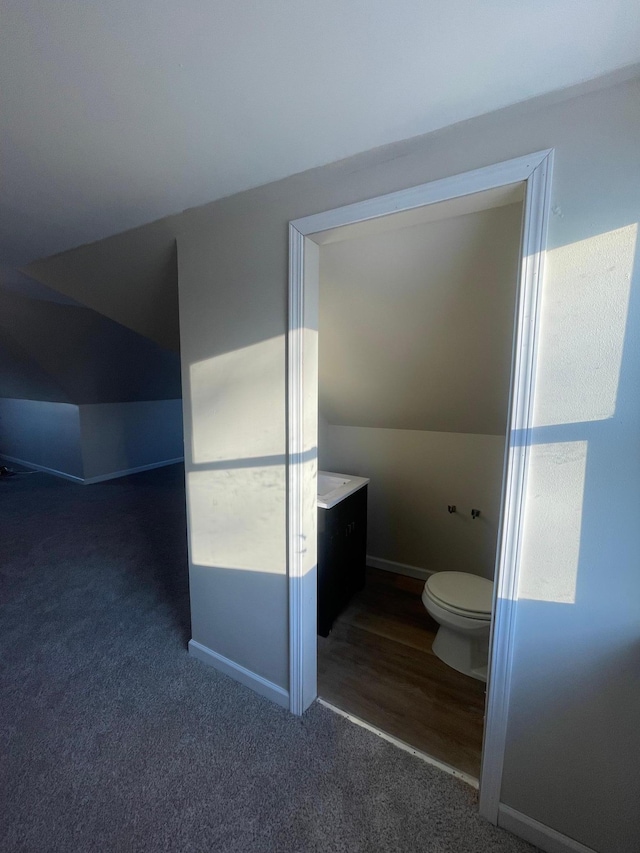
(86, 357)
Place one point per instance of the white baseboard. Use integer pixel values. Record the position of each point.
(125, 473)
(245, 676)
(398, 568)
(32, 466)
(89, 480)
(537, 833)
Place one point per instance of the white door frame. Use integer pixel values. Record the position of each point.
(535, 170)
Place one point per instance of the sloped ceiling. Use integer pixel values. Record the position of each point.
(131, 278)
(118, 113)
(416, 325)
(68, 353)
(23, 378)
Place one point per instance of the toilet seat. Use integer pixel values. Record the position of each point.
(462, 594)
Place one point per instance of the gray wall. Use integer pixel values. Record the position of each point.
(43, 434)
(23, 378)
(126, 390)
(87, 442)
(573, 738)
(117, 437)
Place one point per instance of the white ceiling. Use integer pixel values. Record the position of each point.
(117, 113)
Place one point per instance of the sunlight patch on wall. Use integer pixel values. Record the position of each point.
(237, 518)
(231, 403)
(551, 546)
(580, 356)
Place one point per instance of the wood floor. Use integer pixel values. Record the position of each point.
(377, 664)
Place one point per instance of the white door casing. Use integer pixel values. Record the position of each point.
(302, 354)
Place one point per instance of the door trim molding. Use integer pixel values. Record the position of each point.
(520, 420)
(302, 398)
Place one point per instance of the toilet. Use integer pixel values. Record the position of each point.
(461, 604)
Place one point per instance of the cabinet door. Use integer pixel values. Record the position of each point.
(331, 558)
(342, 544)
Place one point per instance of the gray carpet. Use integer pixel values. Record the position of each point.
(114, 739)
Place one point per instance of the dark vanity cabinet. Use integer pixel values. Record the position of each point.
(342, 550)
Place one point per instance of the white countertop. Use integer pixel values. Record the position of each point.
(333, 488)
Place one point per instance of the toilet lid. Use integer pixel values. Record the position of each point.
(465, 592)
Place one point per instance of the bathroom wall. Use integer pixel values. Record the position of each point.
(415, 341)
(416, 323)
(414, 476)
(323, 441)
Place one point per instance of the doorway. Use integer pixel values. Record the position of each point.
(414, 354)
(305, 236)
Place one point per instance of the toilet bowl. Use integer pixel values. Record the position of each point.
(461, 604)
